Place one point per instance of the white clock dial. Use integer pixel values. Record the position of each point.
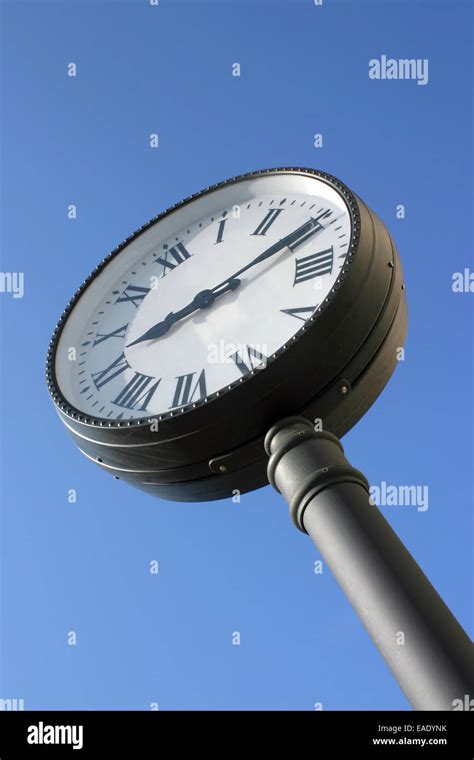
(203, 297)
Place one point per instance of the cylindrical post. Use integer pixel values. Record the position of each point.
(426, 649)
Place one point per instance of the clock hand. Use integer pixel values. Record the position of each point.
(205, 298)
(291, 241)
(202, 300)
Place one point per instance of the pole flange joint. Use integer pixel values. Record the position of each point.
(294, 432)
(318, 481)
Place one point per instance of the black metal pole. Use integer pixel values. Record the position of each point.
(426, 649)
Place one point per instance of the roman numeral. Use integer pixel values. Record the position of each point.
(267, 221)
(137, 394)
(298, 313)
(106, 375)
(250, 359)
(132, 293)
(314, 265)
(178, 253)
(314, 228)
(220, 231)
(118, 333)
(185, 391)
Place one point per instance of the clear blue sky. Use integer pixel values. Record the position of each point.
(223, 567)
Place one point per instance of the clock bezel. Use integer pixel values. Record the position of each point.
(76, 415)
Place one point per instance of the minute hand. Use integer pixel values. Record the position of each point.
(205, 298)
(293, 239)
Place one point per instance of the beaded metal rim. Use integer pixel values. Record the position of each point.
(53, 386)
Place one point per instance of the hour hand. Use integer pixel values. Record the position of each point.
(157, 330)
(202, 300)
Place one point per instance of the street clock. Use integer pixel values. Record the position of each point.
(273, 293)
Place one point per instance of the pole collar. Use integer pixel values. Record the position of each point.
(299, 431)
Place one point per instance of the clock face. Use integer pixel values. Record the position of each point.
(203, 297)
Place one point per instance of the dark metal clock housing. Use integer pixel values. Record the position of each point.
(332, 371)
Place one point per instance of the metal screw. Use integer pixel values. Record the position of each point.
(223, 468)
